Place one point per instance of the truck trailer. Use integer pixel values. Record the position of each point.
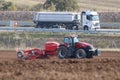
(86, 20)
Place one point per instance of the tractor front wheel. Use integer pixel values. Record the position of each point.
(80, 53)
(62, 52)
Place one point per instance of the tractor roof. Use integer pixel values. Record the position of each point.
(71, 36)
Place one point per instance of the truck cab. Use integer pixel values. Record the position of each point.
(90, 20)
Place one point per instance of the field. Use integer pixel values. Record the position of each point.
(104, 67)
(27, 2)
(98, 5)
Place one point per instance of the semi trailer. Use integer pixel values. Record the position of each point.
(86, 20)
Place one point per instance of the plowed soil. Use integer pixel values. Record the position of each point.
(104, 67)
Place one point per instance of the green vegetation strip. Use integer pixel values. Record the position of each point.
(13, 40)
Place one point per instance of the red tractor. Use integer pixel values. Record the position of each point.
(71, 48)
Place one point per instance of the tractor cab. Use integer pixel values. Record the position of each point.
(71, 40)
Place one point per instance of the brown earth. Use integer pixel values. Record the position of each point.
(104, 67)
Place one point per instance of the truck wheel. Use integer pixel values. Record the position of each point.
(85, 27)
(38, 26)
(75, 27)
(62, 52)
(80, 53)
(20, 54)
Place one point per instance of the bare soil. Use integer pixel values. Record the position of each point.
(104, 67)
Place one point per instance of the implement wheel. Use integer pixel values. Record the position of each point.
(20, 54)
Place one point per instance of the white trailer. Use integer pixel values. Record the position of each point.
(69, 20)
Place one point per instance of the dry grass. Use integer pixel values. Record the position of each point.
(24, 40)
(98, 5)
(27, 2)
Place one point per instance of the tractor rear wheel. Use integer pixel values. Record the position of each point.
(80, 53)
(62, 52)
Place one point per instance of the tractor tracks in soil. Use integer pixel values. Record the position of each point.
(104, 67)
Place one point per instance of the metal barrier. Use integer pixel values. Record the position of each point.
(31, 23)
(32, 29)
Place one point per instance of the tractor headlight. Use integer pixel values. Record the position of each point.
(91, 49)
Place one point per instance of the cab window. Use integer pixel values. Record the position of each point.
(89, 17)
(68, 40)
(76, 39)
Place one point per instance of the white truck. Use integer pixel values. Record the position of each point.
(86, 20)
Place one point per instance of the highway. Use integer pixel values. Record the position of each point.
(30, 23)
(7, 27)
(32, 29)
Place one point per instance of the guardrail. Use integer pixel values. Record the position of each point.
(30, 23)
(110, 25)
(19, 23)
(32, 29)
